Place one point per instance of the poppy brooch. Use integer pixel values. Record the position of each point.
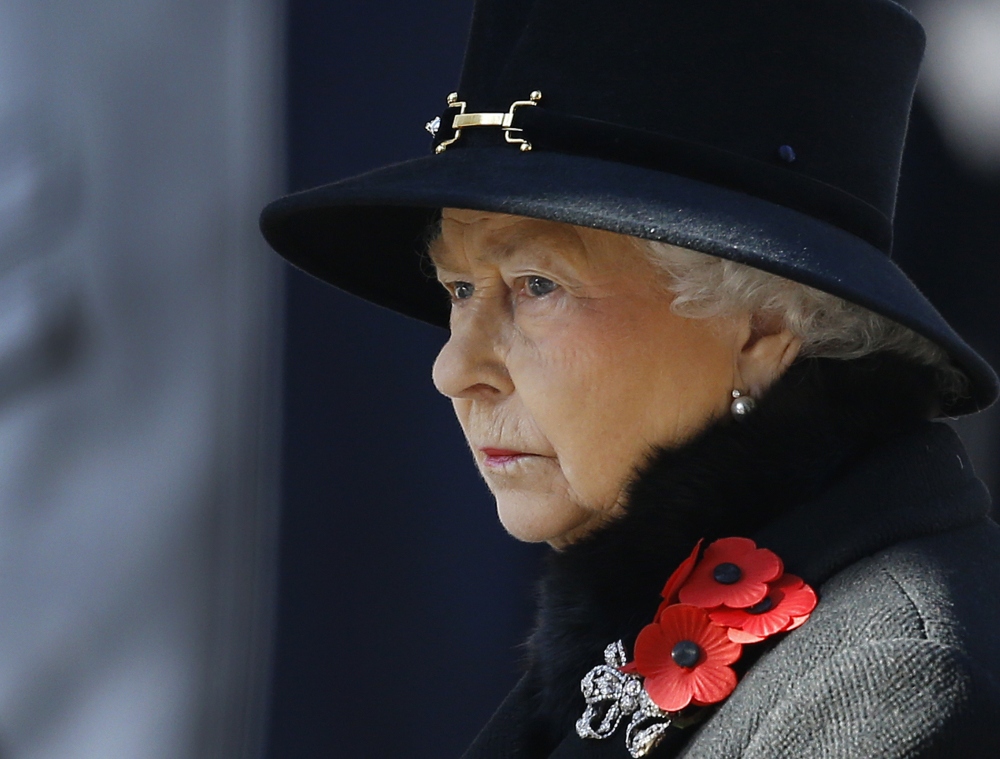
(717, 601)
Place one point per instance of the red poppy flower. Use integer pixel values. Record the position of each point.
(788, 603)
(680, 575)
(734, 572)
(684, 659)
(678, 578)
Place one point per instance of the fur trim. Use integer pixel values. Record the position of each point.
(732, 479)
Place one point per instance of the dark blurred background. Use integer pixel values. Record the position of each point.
(401, 601)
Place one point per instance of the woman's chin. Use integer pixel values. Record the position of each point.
(532, 518)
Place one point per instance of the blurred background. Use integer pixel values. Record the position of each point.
(236, 520)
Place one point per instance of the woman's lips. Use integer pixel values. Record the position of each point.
(500, 457)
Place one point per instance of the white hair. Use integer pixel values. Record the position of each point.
(829, 327)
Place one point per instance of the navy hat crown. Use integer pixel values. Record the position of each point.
(800, 102)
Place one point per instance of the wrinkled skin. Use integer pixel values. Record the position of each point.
(567, 365)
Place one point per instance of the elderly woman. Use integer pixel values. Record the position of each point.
(682, 357)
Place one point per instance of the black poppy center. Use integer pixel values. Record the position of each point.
(686, 653)
(759, 608)
(727, 574)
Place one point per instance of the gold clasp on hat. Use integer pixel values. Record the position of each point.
(465, 120)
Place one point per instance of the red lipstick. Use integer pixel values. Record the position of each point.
(501, 456)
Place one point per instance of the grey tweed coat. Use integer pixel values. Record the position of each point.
(901, 657)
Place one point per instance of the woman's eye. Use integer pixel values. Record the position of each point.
(462, 290)
(539, 286)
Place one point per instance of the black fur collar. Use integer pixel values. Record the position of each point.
(731, 480)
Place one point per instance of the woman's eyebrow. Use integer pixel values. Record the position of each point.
(531, 240)
(495, 252)
(501, 248)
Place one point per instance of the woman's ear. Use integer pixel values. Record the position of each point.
(768, 348)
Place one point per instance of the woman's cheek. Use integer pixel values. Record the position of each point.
(584, 440)
(574, 375)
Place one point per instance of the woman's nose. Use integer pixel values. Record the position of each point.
(471, 364)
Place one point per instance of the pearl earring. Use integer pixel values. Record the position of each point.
(741, 406)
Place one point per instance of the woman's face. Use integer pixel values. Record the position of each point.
(566, 365)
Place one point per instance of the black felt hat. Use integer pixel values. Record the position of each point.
(768, 132)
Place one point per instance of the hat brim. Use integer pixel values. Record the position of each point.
(367, 234)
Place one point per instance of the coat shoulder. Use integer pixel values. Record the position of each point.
(943, 587)
(887, 698)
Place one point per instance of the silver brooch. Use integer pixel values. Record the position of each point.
(613, 695)
(433, 126)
